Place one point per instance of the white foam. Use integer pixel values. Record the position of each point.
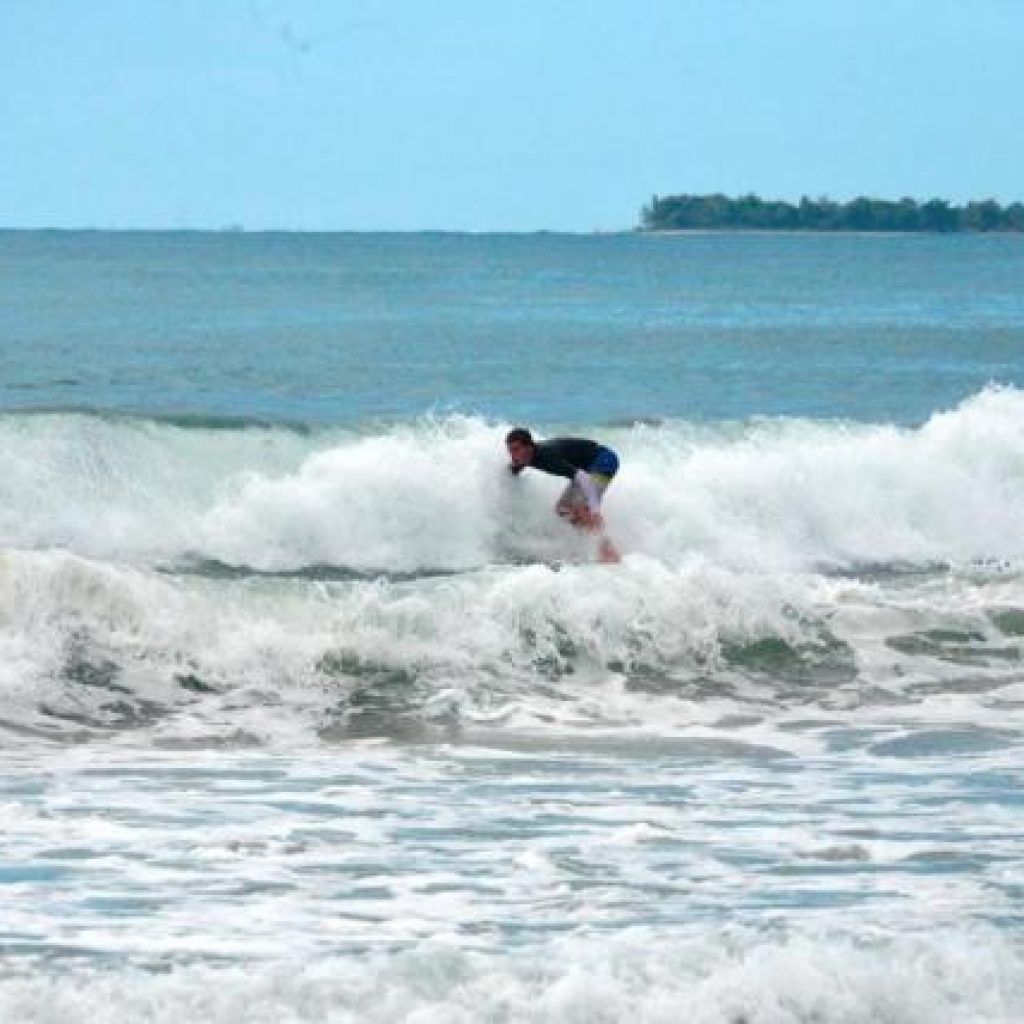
(726, 529)
(515, 647)
(720, 976)
(435, 494)
(798, 494)
(477, 640)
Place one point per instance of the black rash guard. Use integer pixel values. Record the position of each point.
(565, 456)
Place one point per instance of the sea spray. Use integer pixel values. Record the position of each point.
(765, 495)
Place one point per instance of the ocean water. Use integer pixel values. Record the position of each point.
(311, 712)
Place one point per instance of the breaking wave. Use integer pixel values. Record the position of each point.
(192, 577)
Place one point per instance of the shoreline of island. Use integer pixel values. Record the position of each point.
(719, 212)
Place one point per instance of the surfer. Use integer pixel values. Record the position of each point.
(589, 467)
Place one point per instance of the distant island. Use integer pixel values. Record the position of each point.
(722, 213)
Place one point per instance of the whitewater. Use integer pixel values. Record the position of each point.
(311, 711)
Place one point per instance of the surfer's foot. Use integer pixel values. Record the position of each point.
(608, 552)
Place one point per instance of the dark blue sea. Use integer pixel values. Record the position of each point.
(311, 712)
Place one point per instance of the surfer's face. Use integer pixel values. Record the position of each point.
(520, 452)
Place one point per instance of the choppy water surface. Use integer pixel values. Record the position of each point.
(312, 713)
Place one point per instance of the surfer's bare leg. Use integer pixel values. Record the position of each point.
(607, 551)
(574, 508)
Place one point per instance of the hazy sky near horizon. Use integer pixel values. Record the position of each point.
(507, 115)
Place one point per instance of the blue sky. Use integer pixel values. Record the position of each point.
(506, 115)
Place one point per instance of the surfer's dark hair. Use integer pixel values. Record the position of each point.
(519, 435)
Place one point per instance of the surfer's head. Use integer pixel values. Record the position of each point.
(519, 443)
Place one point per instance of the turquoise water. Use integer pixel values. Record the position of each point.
(311, 712)
(339, 328)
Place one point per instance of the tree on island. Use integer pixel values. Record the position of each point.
(750, 212)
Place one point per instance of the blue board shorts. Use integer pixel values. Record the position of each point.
(606, 465)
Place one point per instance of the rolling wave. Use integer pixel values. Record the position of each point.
(434, 494)
(191, 582)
